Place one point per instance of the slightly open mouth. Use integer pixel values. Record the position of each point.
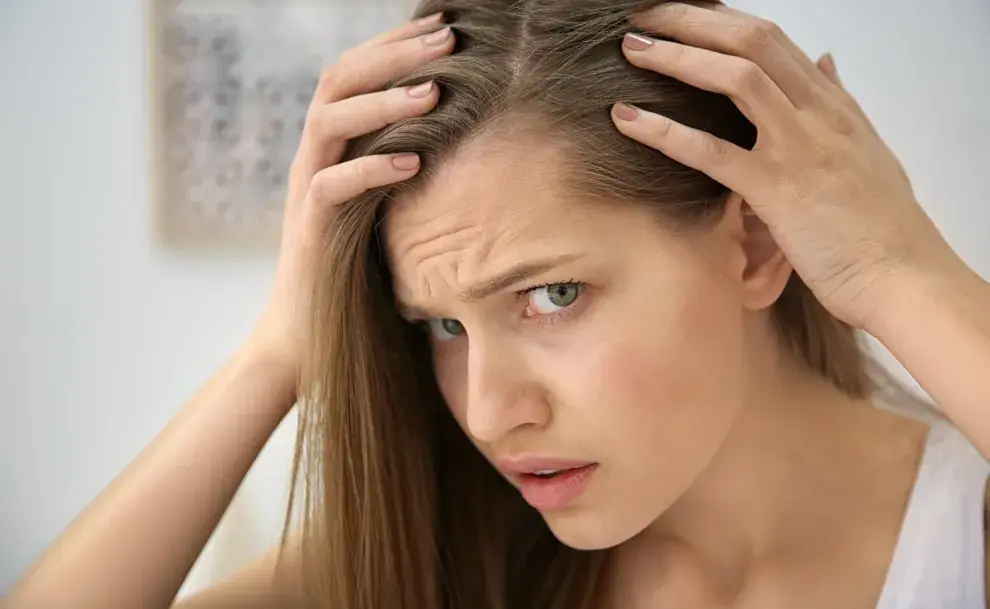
(555, 473)
(555, 489)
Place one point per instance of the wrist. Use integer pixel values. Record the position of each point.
(265, 349)
(276, 381)
(270, 340)
(914, 295)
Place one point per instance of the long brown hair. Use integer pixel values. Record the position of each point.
(401, 512)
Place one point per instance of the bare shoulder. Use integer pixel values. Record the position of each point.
(271, 581)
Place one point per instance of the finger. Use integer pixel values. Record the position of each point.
(365, 69)
(329, 126)
(337, 184)
(802, 58)
(749, 87)
(723, 161)
(411, 29)
(754, 39)
(361, 114)
(826, 63)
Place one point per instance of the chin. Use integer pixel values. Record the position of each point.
(584, 528)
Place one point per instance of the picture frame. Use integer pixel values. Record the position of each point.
(231, 81)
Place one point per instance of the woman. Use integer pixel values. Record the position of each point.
(616, 250)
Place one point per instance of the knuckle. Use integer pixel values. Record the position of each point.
(315, 118)
(712, 147)
(844, 123)
(361, 172)
(664, 127)
(770, 28)
(757, 37)
(747, 78)
(320, 123)
(676, 52)
(318, 188)
(335, 121)
(329, 78)
(386, 109)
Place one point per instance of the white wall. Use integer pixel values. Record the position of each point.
(103, 335)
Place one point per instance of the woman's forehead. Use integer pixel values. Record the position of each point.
(486, 195)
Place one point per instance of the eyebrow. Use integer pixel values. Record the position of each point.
(506, 279)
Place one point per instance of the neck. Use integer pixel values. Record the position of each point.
(784, 447)
(784, 484)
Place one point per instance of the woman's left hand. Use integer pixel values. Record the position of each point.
(832, 193)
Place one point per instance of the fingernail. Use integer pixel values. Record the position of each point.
(405, 162)
(830, 58)
(430, 18)
(626, 112)
(420, 90)
(637, 42)
(438, 37)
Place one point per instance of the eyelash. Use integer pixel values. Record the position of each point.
(548, 284)
(550, 319)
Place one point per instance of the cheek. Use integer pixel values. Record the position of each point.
(652, 399)
(677, 358)
(660, 390)
(661, 375)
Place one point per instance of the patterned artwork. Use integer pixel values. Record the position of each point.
(233, 79)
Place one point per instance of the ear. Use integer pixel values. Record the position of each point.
(764, 269)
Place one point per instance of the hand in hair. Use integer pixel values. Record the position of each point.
(834, 196)
(831, 192)
(347, 104)
(135, 544)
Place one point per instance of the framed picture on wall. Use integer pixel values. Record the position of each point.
(231, 82)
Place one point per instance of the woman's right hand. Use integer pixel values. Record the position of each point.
(347, 104)
(170, 507)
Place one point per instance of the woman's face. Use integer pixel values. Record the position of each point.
(574, 336)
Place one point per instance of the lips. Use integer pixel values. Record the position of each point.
(549, 484)
(526, 464)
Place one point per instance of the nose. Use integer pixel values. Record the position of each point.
(504, 393)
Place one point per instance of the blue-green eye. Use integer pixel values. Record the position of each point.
(445, 329)
(552, 298)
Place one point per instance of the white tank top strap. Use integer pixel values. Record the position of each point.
(939, 558)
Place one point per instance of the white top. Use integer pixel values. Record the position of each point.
(939, 559)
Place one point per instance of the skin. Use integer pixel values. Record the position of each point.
(715, 450)
(836, 201)
(575, 382)
(844, 215)
(885, 269)
(835, 198)
(168, 507)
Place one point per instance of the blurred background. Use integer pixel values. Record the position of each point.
(106, 328)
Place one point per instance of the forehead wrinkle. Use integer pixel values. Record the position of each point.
(488, 206)
(439, 239)
(497, 236)
(472, 227)
(422, 260)
(433, 264)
